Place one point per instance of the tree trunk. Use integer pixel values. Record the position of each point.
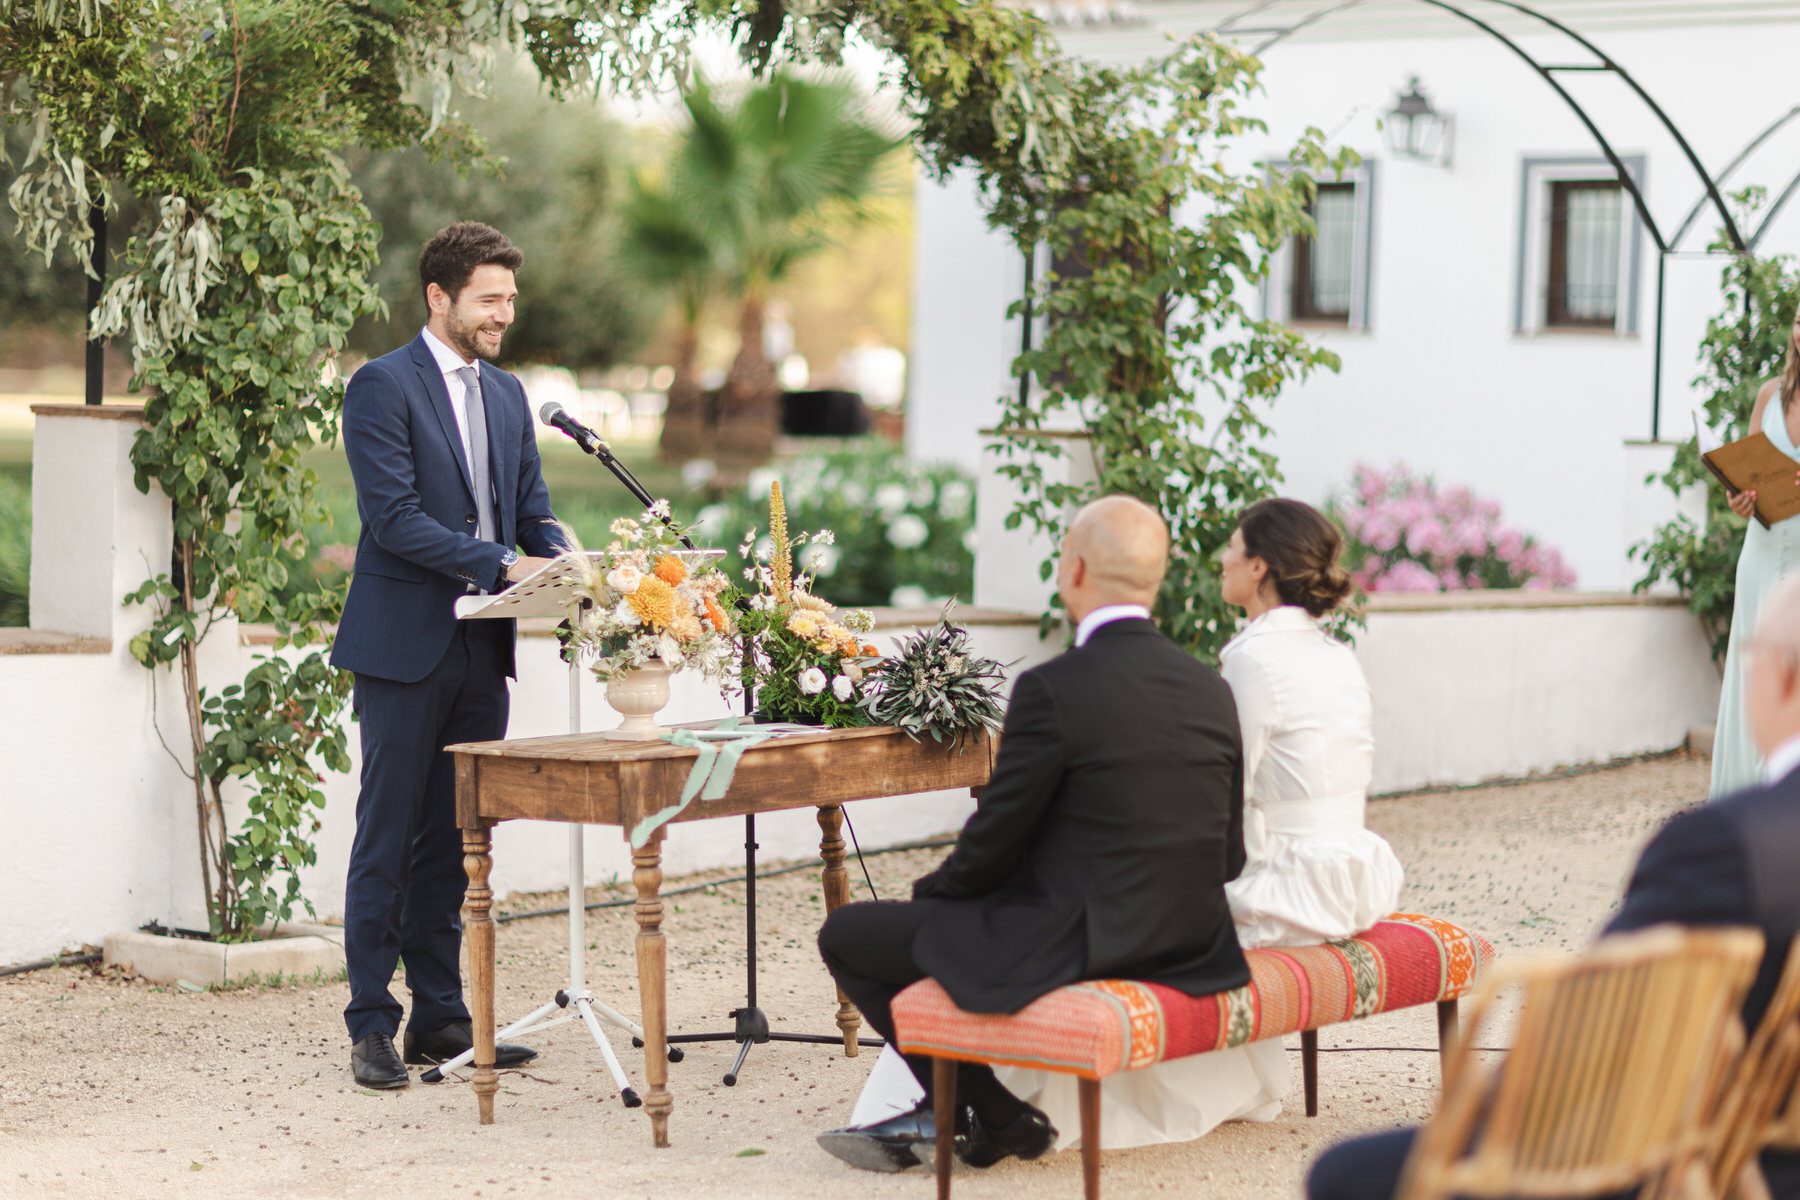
(687, 425)
(749, 408)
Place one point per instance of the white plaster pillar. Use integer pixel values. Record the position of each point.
(1008, 561)
(94, 536)
(1648, 506)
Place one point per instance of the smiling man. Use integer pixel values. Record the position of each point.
(448, 484)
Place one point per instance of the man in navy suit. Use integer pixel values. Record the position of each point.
(1735, 861)
(448, 483)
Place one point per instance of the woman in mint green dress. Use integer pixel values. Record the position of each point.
(1768, 554)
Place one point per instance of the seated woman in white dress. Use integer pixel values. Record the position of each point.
(1313, 872)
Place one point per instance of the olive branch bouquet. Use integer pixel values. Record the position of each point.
(933, 683)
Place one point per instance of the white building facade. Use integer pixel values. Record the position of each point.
(1496, 315)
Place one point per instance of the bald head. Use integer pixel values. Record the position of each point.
(1772, 668)
(1116, 552)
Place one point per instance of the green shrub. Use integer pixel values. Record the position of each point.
(904, 531)
(15, 551)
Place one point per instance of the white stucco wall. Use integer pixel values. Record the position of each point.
(1440, 379)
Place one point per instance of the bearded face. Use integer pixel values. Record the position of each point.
(474, 322)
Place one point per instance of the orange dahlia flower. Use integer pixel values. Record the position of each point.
(670, 570)
(653, 602)
(716, 615)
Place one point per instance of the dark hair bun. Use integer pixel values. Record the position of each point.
(1301, 547)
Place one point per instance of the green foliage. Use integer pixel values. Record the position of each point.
(1743, 348)
(242, 279)
(15, 551)
(1151, 348)
(934, 683)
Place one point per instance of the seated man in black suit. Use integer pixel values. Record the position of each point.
(1735, 861)
(1099, 849)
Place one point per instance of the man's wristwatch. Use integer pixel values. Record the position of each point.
(507, 560)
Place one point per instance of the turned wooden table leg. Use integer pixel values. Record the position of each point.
(478, 928)
(652, 979)
(837, 892)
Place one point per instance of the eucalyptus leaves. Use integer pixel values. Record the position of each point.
(935, 684)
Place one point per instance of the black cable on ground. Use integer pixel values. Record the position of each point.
(621, 902)
(61, 960)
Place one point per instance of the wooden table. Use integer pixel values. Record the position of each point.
(589, 779)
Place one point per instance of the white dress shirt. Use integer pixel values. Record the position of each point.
(450, 362)
(1106, 616)
(1782, 761)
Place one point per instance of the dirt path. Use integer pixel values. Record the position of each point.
(115, 1088)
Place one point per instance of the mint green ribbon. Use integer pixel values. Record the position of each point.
(718, 751)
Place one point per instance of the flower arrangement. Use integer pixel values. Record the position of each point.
(934, 684)
(647, 599)
(1406, 534)
(806, 661)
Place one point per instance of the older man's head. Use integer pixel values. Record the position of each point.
(1772, 668)
(1115, 552)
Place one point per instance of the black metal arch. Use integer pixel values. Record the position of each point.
(1548, 72)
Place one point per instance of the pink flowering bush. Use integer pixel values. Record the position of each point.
(1405, 534)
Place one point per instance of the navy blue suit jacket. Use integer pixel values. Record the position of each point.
(418, 550)
(1735, 861)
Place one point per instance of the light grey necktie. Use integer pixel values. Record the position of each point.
(475, 421)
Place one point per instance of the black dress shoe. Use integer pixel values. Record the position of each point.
(375, 1064)
(890, 1145)
(442, 1045)
(1028, 1135)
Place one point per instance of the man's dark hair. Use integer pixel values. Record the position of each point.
(452, 255)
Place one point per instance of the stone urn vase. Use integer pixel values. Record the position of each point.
(637, 696)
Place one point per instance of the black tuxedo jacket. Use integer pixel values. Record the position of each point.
(1735, 861)
(1101, 846)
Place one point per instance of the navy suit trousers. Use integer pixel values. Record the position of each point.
(405, 891)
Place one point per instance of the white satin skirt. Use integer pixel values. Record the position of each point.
(1306, 889)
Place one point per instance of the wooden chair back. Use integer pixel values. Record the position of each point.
(1761, 1105)
(1614, 1077)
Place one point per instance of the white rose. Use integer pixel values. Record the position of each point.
(626, 615)
(757, 486)
(812, 681)
(908, 532)
(853, 673)
(842, 688)
(624, 580)
(908, 596)
(890, 498)
(954, 500)
(820, 560)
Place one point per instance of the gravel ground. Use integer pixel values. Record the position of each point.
(115, 1087)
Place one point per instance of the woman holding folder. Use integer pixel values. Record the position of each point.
(1767, 555)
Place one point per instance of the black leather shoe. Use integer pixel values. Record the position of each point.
(891, 1145)
(442, 1045)
(375, 1064)
(1029, 1135)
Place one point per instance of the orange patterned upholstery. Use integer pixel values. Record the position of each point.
(1100, 1027)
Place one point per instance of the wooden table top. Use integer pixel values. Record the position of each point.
(595, 780)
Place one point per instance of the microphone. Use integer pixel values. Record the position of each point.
(553, 415)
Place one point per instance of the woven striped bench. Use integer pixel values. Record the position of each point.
(1101, 1027)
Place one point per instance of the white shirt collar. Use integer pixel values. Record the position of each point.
(1106, 616)
(1782, 761)
(448, 360)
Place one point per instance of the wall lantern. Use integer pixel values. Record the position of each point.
(1416, 130)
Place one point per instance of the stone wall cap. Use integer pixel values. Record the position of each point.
(18, 640)
(93, 412)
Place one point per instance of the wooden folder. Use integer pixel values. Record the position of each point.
(1755, 464)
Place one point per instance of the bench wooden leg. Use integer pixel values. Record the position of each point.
(1446, 1013)
(1090, 1138)
(1309, 1069)
(943, 1100)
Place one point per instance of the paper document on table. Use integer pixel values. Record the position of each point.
(1756, 464)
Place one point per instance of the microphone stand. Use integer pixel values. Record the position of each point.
(750, 1023)
(622, 473)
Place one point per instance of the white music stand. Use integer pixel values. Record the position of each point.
(549, 593)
